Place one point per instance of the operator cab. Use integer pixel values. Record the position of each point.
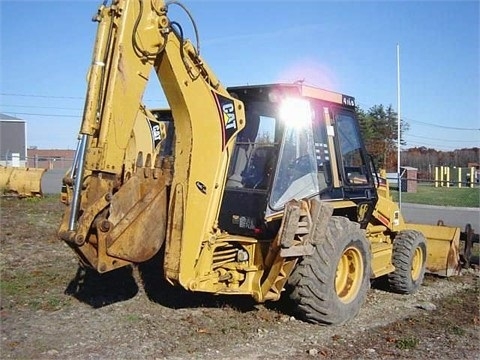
(299, 142)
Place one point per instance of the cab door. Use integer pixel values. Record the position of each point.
(353, 165)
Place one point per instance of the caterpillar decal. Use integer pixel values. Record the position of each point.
(155, 132)
(228, 118)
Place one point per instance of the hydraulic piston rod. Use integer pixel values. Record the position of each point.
(77, 177)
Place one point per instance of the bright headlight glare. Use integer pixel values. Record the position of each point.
(296, 112)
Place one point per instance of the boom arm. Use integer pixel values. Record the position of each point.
(120, 215)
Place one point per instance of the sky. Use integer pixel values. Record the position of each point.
(345, 46)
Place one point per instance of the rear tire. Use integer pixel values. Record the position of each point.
(409, 255)
(331, 285)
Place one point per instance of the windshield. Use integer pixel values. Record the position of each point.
(296, 175)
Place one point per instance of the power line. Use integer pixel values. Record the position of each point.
(432, 145)
(63, 97)
(442, 126)
(43, 96)
(41, 107)
(429, 124)
(55, 115)
(82, 98)
(448, 140)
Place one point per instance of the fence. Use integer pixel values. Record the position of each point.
(49, 162)
(61, 159)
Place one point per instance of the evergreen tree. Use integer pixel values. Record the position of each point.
(379, 130)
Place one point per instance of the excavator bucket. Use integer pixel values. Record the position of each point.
(22, 182)
(443, 255)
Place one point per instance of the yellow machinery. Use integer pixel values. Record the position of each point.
(248, 190)
(22, 182)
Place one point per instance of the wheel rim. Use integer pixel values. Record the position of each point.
(417, 263)
(349, 275)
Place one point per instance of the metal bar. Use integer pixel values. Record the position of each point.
(331, 147)
(77, 181)
(469, 236)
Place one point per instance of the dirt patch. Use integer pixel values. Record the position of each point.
(50, 309)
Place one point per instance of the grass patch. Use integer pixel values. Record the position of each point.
(430, 195)
(33, 289)
(457, 330)
(133, 318)
(407, 343)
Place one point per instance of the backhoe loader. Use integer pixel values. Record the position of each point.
(258, 190)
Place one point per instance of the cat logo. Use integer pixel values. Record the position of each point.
(226, 110)
(156, 133)
(362, 211)
(229, 116)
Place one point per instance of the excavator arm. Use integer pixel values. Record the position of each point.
(124, 195)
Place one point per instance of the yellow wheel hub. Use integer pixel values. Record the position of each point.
(417, 263)
(349, 275)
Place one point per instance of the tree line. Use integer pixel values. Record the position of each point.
(425, 159)
(378, 126)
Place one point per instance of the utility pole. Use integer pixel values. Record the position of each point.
(399, 175)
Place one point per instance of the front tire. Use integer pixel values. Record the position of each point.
(331, 285)
(409, 257)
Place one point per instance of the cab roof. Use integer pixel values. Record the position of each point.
(298, 89)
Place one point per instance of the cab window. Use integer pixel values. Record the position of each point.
(253, 159)
(352, 156)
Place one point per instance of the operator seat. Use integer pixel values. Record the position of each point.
(260, 168)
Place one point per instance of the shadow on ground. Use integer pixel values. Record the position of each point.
(98, 290)
(160, 291)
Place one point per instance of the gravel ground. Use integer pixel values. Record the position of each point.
(52, 310)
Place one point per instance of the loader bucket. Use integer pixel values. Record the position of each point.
(443, 254)
(5, 173)
(22, 182)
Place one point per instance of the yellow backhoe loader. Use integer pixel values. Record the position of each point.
(248, 190)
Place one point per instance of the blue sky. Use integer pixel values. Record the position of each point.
(345, 46)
